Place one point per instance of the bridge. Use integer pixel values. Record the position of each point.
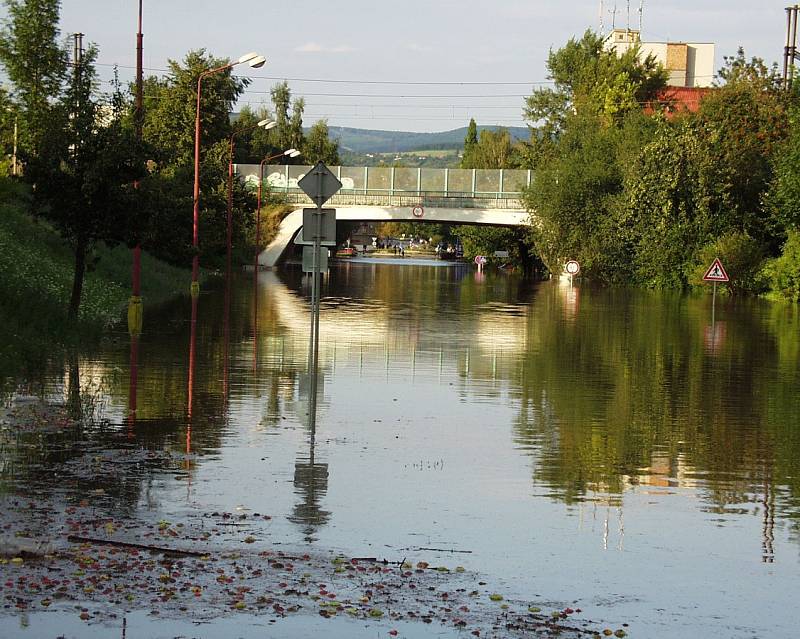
(392, 194)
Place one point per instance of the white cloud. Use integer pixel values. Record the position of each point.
(315, 47)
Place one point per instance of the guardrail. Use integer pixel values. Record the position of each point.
(396, 186)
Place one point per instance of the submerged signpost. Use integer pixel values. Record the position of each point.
(319, 227)
(715, 273)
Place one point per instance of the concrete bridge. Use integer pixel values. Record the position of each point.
(391, 194)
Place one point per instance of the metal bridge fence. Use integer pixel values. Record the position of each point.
(395, 186)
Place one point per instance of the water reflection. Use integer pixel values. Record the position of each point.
(616, 413)
(310, 476)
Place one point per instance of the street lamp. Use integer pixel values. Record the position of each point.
(255, 61)
(291, 153)
(266, 124)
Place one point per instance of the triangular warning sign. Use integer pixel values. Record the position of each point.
(716, 273)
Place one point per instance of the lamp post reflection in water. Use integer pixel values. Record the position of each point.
(255, 324)
(190, 388)
(134, 330)
(226, 335)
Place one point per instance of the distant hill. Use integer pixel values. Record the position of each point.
(374, 141)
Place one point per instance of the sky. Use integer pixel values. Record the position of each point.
(415, 65)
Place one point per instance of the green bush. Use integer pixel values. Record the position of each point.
(741, 256)
(783, 273)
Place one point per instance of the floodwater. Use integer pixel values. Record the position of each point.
(611, 450)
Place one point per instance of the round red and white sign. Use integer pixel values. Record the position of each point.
(418, 211)
(572, 267)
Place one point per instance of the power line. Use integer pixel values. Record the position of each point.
(374, 82)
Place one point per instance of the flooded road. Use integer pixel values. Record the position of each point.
(612, 451)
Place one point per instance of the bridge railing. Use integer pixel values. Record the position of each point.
(396, 186)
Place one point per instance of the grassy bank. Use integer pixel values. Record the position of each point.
(36, 268)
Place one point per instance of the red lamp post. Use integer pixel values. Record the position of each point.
(255, 61)
(266, 125)
(292, 153)
(138, 120)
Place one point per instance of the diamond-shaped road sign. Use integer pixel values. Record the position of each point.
(319, 184)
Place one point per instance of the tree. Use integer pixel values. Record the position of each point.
(319, 147)
(296, 139)
(470, 144)
(677, 197)
(590, 79)
(84, 170)
(586, 128)
(170, 109)
(282, 99)
(745, 122)
(783, 197)
(35, 63)
(9, 117)
(171, 106)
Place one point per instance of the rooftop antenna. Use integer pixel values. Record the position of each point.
(602, 26)
(613, 13)
(628, 23)
(641, 12)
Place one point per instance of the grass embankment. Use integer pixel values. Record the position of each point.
(36, 268)
(271, 217)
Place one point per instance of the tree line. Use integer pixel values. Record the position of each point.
(97, 181)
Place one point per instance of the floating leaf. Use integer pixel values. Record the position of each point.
(496, 597)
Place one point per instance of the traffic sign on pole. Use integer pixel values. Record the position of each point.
(327, 226)
(321, 261)
(716, 273)
(320, 184)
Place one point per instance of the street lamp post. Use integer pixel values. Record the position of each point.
(266, 125)
(291, 153)
(255, 61)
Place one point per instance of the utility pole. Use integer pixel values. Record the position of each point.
(790, 50)
(138, 122)
(77, 53)
(602, 26)
(628, 23)
(77, 64)
(641, 12)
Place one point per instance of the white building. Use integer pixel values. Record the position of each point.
(689, 64)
